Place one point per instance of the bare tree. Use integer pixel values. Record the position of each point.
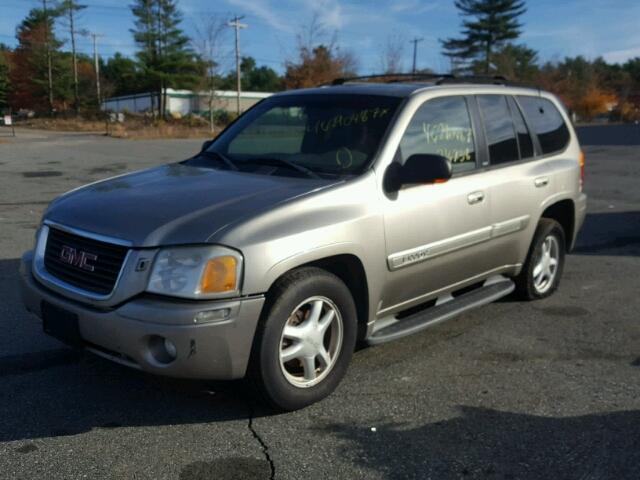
(209, 39)
(392, 53)
(311, 34)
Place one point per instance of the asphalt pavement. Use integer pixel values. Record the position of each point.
(513, 390)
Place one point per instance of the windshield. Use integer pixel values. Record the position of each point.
(307, 134)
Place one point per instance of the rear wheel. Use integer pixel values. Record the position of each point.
(540, 275)
(305, 339)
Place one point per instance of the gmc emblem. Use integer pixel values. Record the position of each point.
(79, 259)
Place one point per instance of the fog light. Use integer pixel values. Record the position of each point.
(162, 350)
(171, 349)
(212, 315)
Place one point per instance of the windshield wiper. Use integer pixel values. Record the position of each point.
(219, 156)
(280, 162)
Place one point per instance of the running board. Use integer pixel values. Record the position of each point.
(441, 312)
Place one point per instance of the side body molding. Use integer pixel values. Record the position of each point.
(426, 252)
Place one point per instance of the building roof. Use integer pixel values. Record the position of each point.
(190, 93)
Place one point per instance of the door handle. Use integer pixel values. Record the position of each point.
(475, 197)
(541, 182)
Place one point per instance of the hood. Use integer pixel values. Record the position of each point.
(174, 204)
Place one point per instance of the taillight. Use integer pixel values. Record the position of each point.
(581, 170)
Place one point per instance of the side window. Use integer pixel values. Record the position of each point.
(498, 126)
(547, 123)
(524, 137)
(442, 126)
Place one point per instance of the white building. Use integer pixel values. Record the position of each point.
(183, 102)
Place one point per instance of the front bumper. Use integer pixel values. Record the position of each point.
(218, 349)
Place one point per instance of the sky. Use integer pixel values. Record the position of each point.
(555, 28)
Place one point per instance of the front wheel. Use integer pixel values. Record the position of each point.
(305, 339)
(540, 275)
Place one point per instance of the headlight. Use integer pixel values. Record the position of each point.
(196, 272)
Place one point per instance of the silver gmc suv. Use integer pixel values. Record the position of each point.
(360, 211)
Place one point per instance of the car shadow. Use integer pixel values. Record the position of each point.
(610, 233)
(60, 391)
(487, 443)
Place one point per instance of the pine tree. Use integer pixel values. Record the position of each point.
(516, 62)
(488, 25)
(30, 73)
(164, 54)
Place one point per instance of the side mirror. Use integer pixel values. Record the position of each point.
(419, 168)
(206, 144)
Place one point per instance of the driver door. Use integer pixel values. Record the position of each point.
(437, 234)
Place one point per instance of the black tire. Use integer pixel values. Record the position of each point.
(265, 371)
(525, 283)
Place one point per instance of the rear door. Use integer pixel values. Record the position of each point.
(437, 234)
(522, 171)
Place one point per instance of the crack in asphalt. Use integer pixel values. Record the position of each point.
(263, 444)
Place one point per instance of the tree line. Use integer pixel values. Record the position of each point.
(46, 74)
(488, 46)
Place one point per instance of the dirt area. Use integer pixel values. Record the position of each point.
(134, 127)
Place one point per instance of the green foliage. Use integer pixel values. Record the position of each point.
(223, 117)
(253, 78)
(164, 55)
(487, 25)
(632, 68)
(516, 62)
(122, 76)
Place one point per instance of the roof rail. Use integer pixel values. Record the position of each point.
(393, 77)
(437, 78)
(493, 79)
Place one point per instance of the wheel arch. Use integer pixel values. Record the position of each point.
(349, 268)
(563, 212)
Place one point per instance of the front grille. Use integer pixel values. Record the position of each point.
(106, 264)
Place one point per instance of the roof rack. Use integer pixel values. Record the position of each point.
(392, 77)
(437, 78)
(492, 79)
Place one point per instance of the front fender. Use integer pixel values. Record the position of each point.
(313, 255)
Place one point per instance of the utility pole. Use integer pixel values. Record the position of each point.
(95, 36)
(75, 59)
(415, 51)
(237, 25)
(48, 47)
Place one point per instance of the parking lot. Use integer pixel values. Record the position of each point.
(548, 389)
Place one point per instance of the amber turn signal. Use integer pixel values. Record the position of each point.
(219, 275)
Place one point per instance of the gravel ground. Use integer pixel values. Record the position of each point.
(548, 389)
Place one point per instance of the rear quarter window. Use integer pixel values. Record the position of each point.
(547, 123)
(499, 129)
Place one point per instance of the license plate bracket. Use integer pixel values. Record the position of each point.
(61, 324)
